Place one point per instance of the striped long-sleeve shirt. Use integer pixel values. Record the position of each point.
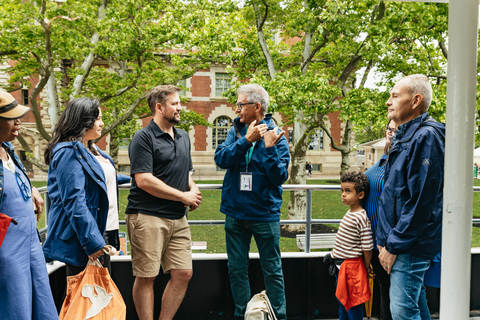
(376, 180)
(354, 236)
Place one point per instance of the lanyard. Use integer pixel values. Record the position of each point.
(248, 155)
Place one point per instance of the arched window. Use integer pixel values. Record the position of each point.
(221, 125)
(316, 140)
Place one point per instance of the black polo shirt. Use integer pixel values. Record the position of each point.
(154, 151)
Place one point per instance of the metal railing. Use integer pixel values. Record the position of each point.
(308, 221)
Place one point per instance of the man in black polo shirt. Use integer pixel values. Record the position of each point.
(162, 191)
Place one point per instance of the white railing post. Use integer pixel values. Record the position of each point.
(460, 127)
(308, 225)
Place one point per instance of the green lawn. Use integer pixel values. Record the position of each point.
(326, 205)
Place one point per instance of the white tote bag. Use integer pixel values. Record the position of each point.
(259, 308)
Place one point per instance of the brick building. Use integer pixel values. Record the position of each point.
(204, 96)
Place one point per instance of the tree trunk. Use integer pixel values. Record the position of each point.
(346, 148)
(261, 38)
(114, 147)
(297, 207)
(88, 62)
(52, 97)
(114, 142)
(298, 204)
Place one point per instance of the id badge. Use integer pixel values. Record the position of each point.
(246, 181)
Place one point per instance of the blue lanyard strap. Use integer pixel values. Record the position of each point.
(248, 155)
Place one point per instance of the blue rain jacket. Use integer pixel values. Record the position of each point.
(269, 168)
(79, 205)
(410, 207)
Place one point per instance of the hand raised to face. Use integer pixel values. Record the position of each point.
(255, 133)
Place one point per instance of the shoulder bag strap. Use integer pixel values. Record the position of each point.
(271, 313)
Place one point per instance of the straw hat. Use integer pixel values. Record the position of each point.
(9, 108)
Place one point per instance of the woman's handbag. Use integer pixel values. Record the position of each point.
(92, 294)
(259, 308)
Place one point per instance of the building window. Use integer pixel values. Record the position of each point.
(317, 167)
(222, 83)
(221, 125)
(316, 140)
(290, 136)
(182, 84)
(25, 97)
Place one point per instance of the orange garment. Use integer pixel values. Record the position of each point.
(4, 224)
(352, 283)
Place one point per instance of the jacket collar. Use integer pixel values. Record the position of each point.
(89, 162)
(8, 145)
(406, 130)
(10, 149)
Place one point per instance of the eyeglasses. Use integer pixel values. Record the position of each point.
(390, 129)
(23, 186)
(240, 105)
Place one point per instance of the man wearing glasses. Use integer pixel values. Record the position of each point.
(256, 156)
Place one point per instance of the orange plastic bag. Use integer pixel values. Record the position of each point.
(92, 294)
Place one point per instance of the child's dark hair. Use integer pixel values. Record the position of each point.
(359, 179)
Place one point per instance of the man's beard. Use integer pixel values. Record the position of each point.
(174, 120)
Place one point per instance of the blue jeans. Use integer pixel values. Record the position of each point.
(407, 291)
(238, 235)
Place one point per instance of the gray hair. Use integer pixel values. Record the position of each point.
(419, 84)
(255, 93)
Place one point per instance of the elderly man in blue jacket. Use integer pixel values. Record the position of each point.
(409, 228)
(256, 156)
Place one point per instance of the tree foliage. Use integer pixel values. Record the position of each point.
(110, 49)
(315, 57)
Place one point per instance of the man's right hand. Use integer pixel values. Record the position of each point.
(193, 199)
(255, 133)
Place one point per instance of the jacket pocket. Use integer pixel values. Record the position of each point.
(67, 233)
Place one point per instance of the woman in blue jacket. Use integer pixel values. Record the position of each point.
(76, 185)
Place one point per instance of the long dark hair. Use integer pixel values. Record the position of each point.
(79, 116)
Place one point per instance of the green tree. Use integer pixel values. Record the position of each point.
(327, 52)
(310, 70)
(109, 49)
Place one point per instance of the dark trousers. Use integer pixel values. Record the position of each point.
(383, 280)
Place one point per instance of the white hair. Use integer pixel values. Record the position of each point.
(255, 93)
(419, 84)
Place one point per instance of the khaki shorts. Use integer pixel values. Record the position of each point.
(158, 242)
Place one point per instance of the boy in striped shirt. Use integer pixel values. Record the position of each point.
(354, 245)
